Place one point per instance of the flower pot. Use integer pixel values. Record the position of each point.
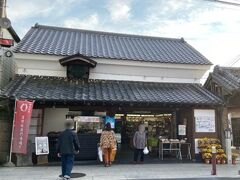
(207, 161)
(218, 161)
(224, 161)
(234, 161)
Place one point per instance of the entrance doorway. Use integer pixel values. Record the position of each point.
(236, 131)
(158, 125)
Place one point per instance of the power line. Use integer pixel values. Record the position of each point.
(236, 4)
(225, 2)
(236, 60)
(222, 5)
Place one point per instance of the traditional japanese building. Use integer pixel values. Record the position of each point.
(224, 82)
(87, 75)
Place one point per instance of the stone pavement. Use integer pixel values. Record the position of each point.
(118, 172)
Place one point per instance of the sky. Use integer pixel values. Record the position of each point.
(212, 28)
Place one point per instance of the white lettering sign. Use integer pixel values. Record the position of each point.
(205, 121)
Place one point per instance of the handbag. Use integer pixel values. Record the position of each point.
(100, 154)
(145, 150)
(113, 155)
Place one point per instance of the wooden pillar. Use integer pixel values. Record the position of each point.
(223, 120)
(186, 118)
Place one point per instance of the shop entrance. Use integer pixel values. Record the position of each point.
(236, 131)
(89, 128)
(158, 125)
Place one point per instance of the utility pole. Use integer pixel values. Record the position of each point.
(4, 24)
(2, 8)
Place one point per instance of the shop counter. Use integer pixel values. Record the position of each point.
(88, 146)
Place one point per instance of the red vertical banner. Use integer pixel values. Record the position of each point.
(22, 118)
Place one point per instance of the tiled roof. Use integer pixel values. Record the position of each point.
(228, 77)
(61, 89)
(65, 42)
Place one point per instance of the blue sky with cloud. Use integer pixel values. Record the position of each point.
(212, 28)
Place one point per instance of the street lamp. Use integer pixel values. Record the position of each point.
(228, 144)
(227, 133)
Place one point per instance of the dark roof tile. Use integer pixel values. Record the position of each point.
(228, 77)
(55, 88)
(64, 42)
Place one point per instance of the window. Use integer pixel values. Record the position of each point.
(216, 89)
(219, 91)
(78, 66)
(77, 71)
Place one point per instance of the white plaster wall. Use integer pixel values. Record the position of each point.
(54, 119)
(40, 67)
(152, 74)
(235, 112)
(109, 69)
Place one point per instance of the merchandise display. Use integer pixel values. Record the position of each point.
(156, 125)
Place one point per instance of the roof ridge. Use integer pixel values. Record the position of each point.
(229, 67)
(108, 33)
(227, 70)
(106, 80)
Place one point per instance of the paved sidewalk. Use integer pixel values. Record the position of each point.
(148, 171)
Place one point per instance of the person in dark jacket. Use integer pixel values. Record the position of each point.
(68, 145)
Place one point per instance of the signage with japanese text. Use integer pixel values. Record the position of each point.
(23, 113)
(182, 130)
(87, 119)
(204, 121)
